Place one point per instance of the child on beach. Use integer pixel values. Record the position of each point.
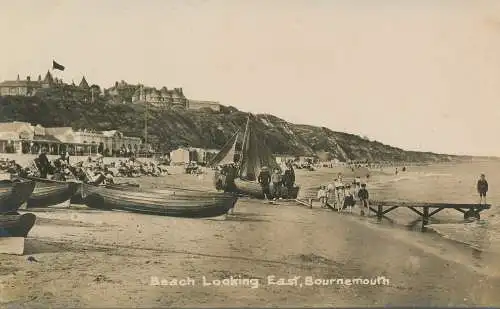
(330, 194)
(482, 188)
(348, 199)
(322, 196)
(363, 197)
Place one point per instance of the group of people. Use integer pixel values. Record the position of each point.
(277, 185)
(91, 170)
(343, 196)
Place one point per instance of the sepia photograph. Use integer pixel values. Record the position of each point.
(249, 153)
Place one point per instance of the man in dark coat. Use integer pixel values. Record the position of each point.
(289, 179)
(264, 180)
(44, 163)
(482, 188)
(230, 177)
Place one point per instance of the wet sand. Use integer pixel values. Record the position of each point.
(90, 258)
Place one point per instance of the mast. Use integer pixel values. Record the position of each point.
(245, 140)
(145, 124)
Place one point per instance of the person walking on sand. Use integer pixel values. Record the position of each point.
(363, 198)
(482, 188)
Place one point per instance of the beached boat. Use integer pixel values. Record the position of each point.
(78, 197)
(173, 203)
(254, 155)
(16, 225)
(13, 194)
(50, 192)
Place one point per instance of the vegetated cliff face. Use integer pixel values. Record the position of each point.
(174, 128)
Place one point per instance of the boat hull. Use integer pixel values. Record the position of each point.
(173, 203)
(16, 225)
(13, 194)
(78, 197)
(253, 189)
(50, 192)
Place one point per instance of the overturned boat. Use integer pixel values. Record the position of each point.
(50, 192)
(172, 202)
(254, 155)
(16, 225)
(14, 193)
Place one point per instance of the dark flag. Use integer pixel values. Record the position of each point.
(57, 66)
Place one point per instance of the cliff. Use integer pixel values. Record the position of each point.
(173, 128)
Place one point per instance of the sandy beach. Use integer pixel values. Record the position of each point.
(91, 258)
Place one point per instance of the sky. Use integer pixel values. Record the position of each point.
(421, 75)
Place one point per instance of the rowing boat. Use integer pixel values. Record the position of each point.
(13, 194)
(173, 203)
(78, 198)
(16, 225)
(50, 192)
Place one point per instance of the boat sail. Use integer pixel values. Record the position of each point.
(254, 155)
(227, 153)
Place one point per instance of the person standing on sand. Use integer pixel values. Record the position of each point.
(348, 199)
(482, 188)
(288, 180)
(339, 188)
(363, 197)
(276, 179)
(330, 194)
(322, 196)
(357, 185)
(264, 180)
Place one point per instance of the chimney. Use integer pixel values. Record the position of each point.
(28, 78)
(39, 78)
(17, 77)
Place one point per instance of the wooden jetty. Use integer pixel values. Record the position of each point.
(427, 209)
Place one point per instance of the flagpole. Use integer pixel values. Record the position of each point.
(145, 123)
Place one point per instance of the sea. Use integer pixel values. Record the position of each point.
(450, 183)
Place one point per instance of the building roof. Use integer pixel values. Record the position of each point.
(46, 138)
(13, 126)
(5, 136)
(111, 133)
(84, 84)
(48, 78)
(19, 83)
(58, 130)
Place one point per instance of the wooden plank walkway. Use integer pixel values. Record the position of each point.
(428, 209)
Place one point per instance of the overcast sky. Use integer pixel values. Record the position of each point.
(421, 75)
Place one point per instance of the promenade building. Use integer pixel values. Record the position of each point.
(22, 137)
